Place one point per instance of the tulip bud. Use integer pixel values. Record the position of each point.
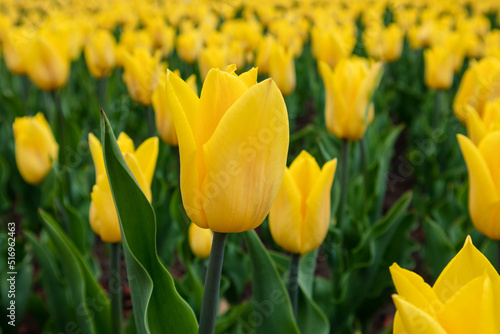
(15, 43)
(212, 57)
(189, 45)
(47, 61)
(484, 185)
(102, 216)
(462, 300)
(163, 116)
(100, 53)
(349, 87)
(200, 240)
(142, 74)
(282, 69)
(438, 68)
(233, 143)
(36, 147)
(331, 45)
(384, 43)
(300, 215)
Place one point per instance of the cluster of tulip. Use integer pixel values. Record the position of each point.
(233, 136)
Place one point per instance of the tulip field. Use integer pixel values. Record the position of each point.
(234, 166)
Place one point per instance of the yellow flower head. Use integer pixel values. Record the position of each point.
(300, 215)
(465, 298)
(200, 240)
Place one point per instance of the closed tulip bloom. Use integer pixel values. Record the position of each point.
(163, 115)
(212, 57)
(349, 87)
(480, 84)
(233, 143)
(200, 240)
(484, 182)
(282, 69)
(300, 215)
(141, 74)
(267, 44)
(331, 45)
(35, 147)
(438, 68)
(100, 53)
(47, 61)
(478, 127)
(142, 162)
(189, 45)
(15, 43)
(384, 43)
(464, 299)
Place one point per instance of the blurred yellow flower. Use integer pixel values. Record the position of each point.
(200, 240)
(384, 43)
(282, 69)
(189, 45)
(332, 44)
(300, 215)
(100, 53)
(142, 162)
(478, 127)
(35, 147)
(438, 68)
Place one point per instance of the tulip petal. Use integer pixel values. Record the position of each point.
(32, 164)
(414, 320)
(413, 289)
(398, 327)
(146, 156)
(465, 304)
(96, 152)
(249, 77)
(220, 90)
(332, 119)
(476, 130)
(107, 225)
(317, 217)
(125, 143)
(285, 218)
(304, 171)
(183, 103)
(484, 199)
(140, 178)
(246, 160)
(467, 265)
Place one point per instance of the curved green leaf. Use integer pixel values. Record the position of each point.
(272, 309)
(157, 304)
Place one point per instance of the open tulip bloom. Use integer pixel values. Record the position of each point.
(465, 298)
(233, 144)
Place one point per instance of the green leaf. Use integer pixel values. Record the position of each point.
(90, 301)
(272, 307)
(157, 304)
(52, 285)
(310, 318)
(438, 249)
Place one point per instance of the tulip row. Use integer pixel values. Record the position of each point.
(380, 64)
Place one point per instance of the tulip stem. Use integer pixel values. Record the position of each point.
(212, 285)
(102, 92)
(293, 282)
(114, 287)
(344, 163)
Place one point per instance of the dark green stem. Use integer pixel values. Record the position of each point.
(115, 288)
(61, 126)
(102, 92)
(151, 121)
(293, 282)
(344, 174)
(364, 156)
(212, 285)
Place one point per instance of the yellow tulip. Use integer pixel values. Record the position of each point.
(35, 147)
(100, 53)
(266, 46)
(15, 42)
(478, 127)
(438, 68)
(480, 83)
(282, 69)
(384, 43)
(189, 45)
(142, 162)
(163, 116)
(47, 61)
(233, 143)
(212, 57)
(131, 40)
(200, 240)
(348, 110)
(300, 215)
(162, 35)
(484, 182)
(464, 299)
(142, 74)
(331, 45)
